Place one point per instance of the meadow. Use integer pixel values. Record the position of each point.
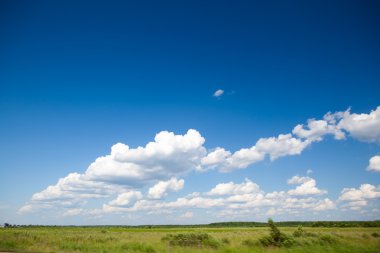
(187, 239)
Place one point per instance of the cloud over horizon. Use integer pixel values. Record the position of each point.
(126, 171)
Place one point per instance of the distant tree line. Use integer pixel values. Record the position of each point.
(236, 224)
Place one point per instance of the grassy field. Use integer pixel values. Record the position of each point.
(118, 239)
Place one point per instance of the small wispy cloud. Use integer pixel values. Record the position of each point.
(218, 93)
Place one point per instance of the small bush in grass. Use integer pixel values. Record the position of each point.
(327, 239)
(276, 238)
(300, 232)
(138, 247)
(375, 234)
(249, 243)
(226, 241)
(191, 240)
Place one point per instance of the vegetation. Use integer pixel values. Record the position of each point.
(276, 238)
(191, 240)
(177, 239)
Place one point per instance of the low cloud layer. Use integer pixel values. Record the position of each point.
(158, 165)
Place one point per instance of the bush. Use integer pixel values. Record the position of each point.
(249, 243)
(138, 247)
(192, 240)
(375, 234)
(226, 241)
(300, 232)
(276, 238)
(327, 239)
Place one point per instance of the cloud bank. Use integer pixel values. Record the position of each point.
(159, 164)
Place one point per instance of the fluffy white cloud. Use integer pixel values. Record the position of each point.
(374, 163)
(241, 159)
(325, 204)
(73, 212)
(187, 215)
(282, 145)
(160, 189)
(366, 191)
(126, 198)
(364, 127)
(317, 129)
(307, 186)
(218, 93)
(169, 155)
(215, 158)
(231, 188)
(356, 199)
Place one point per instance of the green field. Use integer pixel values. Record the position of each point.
(233, 239)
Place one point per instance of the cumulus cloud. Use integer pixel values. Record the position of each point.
(325, 204)
(357, 199)
(161, 189)
(187, 215)
(215, 158)
(218, 93)
(363, 127)
(126, 198)
(241, 159)
(374, 164)
(366, 191)
(316, 129)
(231, 188)
(231, 198)
(169, 156)
(282, 145)
(307, 186)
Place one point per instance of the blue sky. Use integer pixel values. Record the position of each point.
(78, 77)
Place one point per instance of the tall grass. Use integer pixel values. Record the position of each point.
(228, 240)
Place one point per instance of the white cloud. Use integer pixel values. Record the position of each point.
(283, 145)
(126, 198)
(298, 180)
(364, 127)
(247, 187)
(317, 129)
(374, 163)
(241, 159)
(161, 189)
(218, 93)
(73, 212)
(325, 204)
(215, 158)
(170, 156)
(271, 212)
(307, 186)
(366, 191)
(187, 215)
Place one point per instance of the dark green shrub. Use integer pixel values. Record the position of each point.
(299, 232)
(191, 240)
(226, 241)
(249, 243)
(327, 239)
(276, 238)
(138, 247)
(375, 234)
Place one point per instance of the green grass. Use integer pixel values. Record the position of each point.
(171, 240)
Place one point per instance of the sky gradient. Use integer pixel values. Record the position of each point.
(76, 78)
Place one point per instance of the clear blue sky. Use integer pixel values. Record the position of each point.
(76, 77)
